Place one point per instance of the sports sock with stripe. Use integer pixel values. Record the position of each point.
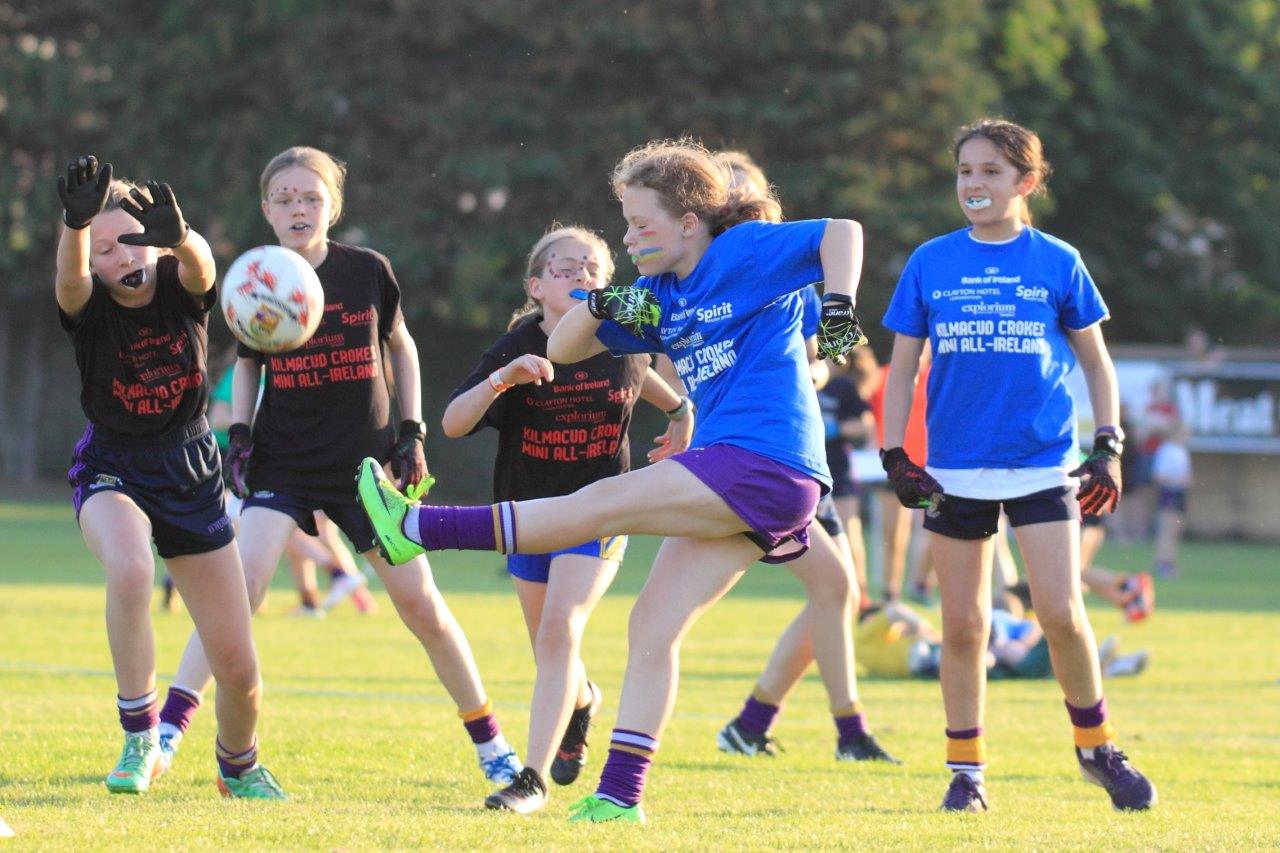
(623, 776)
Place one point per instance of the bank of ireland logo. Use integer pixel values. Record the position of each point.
(682, 302)
(991, 270)
(581, 375)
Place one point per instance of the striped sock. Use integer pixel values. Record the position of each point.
(234, 765)
(467, 528)
(622, 780)
(179, 707)
(140, 714)
(757, 715)
(481, 724)
(1091, 727)
(850, 723)
(967, 751)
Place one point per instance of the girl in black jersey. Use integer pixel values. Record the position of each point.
(324, 407)
(134, 287)
(560, 427)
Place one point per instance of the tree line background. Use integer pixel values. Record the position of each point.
(469, 127)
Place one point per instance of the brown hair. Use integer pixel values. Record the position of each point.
(1019, 145)
(330, 169)
(753, 183)
(689, 179)
(119, 190)
(538, 258)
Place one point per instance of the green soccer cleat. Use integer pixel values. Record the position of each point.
(255, 784)
(386, 508)
(138, 767)
(596, 810)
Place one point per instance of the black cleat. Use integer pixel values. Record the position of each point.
(1110, 769)
(572, 755)
(965, 794)
(863, 748)
(733, 738)
(525, 795)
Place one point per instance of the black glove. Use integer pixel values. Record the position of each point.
(838, 329)
(1100, 483)
(408, 461)
(633, 308)
(240, 448)
(911, 483)
(162, 222)
(83, 191)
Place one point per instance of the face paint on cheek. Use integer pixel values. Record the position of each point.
(646, 254)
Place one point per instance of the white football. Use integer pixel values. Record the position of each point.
(272, 299)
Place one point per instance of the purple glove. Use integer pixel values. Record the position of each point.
(238, 453)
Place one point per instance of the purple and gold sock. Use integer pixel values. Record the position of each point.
(622, 779)
(850, 723)
(235, 764)
(1091, 727)
(966, 750)
(140, 714)
(481, 724)
(179, 707)
(757, 715)
(466, 528)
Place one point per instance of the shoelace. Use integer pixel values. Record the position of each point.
(134, 753)
(261, 779)
(500, 762)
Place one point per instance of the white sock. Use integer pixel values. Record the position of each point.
(173, 732)
(975, 775)
(492, 749)
(1086, 752)
(409, 526)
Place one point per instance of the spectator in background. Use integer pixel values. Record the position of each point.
(1171, 474)
(849, 424)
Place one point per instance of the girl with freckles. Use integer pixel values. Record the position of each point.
(714, 294)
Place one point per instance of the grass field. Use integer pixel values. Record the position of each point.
(368, 745)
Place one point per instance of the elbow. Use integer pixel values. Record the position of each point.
(452, 426)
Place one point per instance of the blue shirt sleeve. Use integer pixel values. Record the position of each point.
(812, 315)
(1080, 304)
(787, 255)
(907, 314)
(621, 341)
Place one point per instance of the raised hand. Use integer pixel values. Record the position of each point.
(409, 460)
(527, 368)
(838, 329)
(83, 190)
(162, 222)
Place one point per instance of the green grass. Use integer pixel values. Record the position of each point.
(368, 745)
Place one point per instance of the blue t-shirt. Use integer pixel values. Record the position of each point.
(997, 315)
(732, 328)
(811, 306)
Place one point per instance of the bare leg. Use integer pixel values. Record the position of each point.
(213, 586)
(1052, 556)
(964, 585)
(557, 614)
(119, 536)
(850, 509)
(302, 552)
(424, 612)
(896, 533)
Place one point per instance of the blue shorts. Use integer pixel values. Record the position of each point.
(349, 516)
(176, 480)
(1172, 498)
(536, 568)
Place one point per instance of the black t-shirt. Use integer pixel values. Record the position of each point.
(839, 401)
(143, 370)
(559, 436)
(325, 406)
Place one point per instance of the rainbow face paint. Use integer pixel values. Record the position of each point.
(646, 254)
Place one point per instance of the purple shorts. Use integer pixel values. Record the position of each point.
(776, 501)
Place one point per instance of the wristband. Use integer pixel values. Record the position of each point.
(681, 411)
(842, 298)
(412, 429)
(1110, 430)
(496, 383)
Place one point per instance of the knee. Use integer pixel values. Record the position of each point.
(649, 634)
(425, 615)
(130, 579)
(256, 582)
(964, 631)
(558, 638)
(1061, 620)
(237, 673)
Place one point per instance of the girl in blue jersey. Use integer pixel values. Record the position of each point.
(716, 293)
(134, 287)
(1007, 309)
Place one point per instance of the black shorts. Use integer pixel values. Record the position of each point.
(348, 515)
(828, 516)
(972, 518)
(1092, 521)
(1174, 499)
(176, 480)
